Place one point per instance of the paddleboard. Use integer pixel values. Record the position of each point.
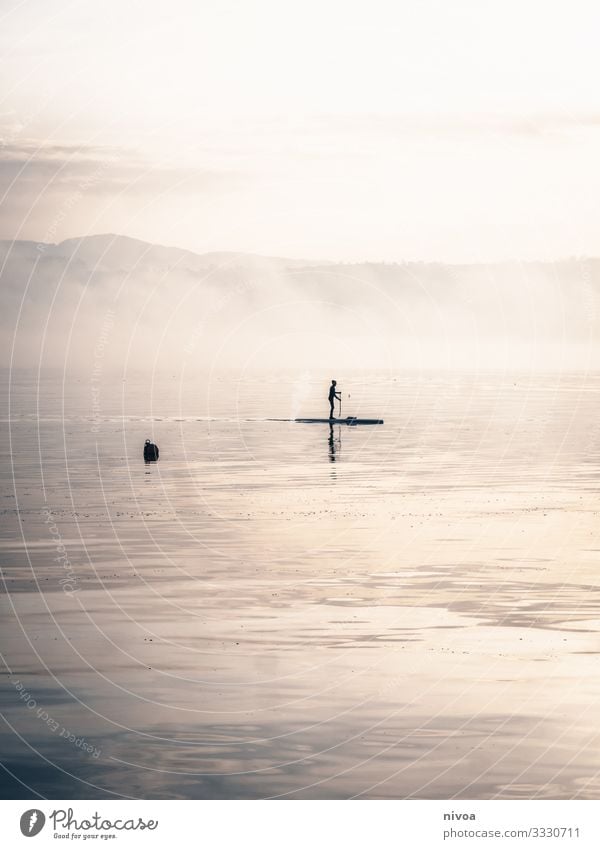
(349, 420)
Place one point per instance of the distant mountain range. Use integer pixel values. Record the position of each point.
(55, 298)
(111, 252)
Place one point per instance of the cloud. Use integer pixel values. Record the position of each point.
(52, 152)
(440, 125)
(41, 183)
(64, 165)
(378, 186)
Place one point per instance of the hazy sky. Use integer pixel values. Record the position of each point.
(463, 130)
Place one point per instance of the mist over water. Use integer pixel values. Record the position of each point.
(111, 303)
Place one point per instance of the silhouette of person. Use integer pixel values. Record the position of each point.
(333, 395)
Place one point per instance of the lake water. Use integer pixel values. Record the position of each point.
(283, 610)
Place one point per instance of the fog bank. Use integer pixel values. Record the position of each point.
(117, 303)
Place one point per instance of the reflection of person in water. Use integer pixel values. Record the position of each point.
(331, 441)
(334, 445)
(333, 395)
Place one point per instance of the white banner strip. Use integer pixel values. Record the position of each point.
(302, 824)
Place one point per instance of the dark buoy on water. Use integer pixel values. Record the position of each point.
(150, 452)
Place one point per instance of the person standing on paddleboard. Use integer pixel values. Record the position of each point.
(333, 394)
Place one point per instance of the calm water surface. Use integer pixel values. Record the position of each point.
(285, 610)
